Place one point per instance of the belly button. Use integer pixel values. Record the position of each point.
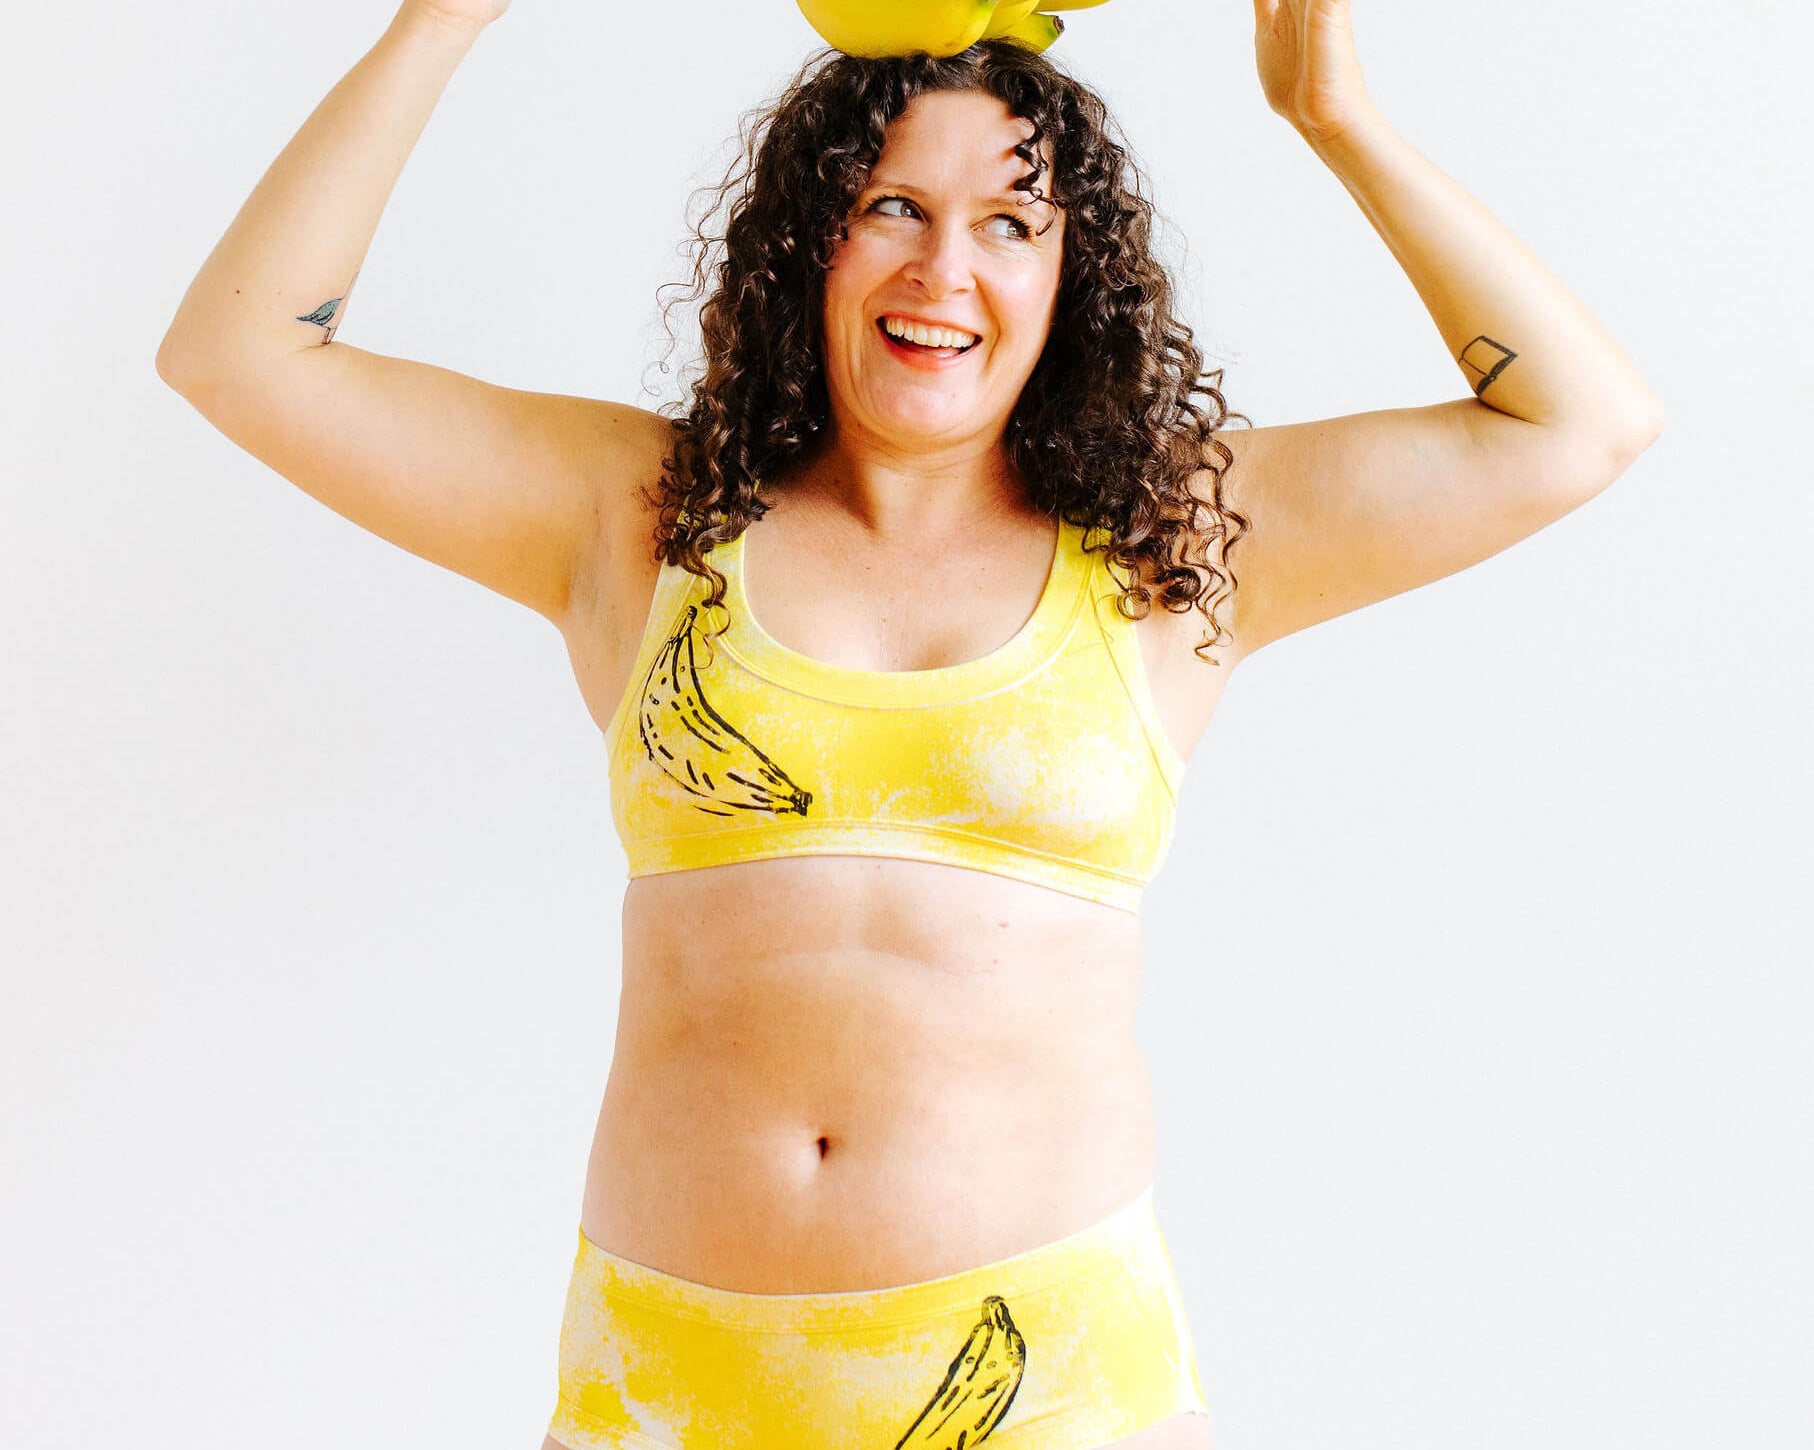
(824, 1147)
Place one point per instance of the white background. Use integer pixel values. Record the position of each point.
(1477, 982)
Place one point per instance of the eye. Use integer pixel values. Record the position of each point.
(1022, 229)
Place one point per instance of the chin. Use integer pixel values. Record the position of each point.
(920, 427)
(911, 414)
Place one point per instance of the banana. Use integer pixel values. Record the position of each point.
(895, 27)
(690, 742)
(939, 27)
(1036, 32)
(977, 1389)
(1008, 13)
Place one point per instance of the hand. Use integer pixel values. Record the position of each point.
(1308, 67)
(468, 15)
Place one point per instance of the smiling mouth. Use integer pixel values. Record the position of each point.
(902, 342)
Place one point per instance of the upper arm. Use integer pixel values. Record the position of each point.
(511, 489)
(1351, 510)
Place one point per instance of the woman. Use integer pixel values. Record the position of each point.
(874, 1165)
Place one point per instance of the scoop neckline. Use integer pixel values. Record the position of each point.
(1030, 647)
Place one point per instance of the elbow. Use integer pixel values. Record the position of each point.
(1590, 465)
(187, 363)
(1647, 429)
(1631, 446)
(1617, 449)
(173, 366)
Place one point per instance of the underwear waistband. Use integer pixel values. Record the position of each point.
(1112, 1246)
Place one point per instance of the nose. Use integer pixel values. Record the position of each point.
(942, 263)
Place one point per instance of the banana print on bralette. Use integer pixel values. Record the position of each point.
(698, 748)
(978, 1388)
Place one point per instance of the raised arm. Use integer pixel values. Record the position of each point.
(509, 488)
(1347, 511)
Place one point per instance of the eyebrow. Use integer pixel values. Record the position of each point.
(908, 186)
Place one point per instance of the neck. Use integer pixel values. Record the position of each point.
(908, 498)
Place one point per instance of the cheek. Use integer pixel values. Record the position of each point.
(837, 316)
(1031, 306)
(854, 271)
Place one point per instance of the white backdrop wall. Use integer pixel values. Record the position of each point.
(1476, 985)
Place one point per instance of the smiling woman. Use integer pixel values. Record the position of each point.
(935, 340)
(946, 267)
(874, 1167)
(937, 343)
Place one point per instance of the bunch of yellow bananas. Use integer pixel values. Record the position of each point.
(940, 27)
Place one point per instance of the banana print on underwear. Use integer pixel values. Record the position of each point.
(674, 712)
(978, 1387)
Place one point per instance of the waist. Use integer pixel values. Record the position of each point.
(805, 1102)
(923, 1176)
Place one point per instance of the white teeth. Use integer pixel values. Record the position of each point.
(927, 336)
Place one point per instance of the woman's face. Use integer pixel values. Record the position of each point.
(938, 236)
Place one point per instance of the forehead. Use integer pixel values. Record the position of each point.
(957, 141)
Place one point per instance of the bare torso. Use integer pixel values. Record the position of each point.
(852, 1072)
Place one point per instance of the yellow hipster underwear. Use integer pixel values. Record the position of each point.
(1072, 1344)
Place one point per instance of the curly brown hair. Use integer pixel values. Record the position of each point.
(1107, 430)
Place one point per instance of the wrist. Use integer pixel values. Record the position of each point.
(427, 18)
(1354, 150)
(1331, 139)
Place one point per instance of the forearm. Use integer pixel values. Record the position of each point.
(1524, 342)
(298, 242)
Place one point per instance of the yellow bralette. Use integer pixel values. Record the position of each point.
(1044, 760)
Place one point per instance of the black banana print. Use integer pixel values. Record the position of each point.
(978, 1388)
(692, 743)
